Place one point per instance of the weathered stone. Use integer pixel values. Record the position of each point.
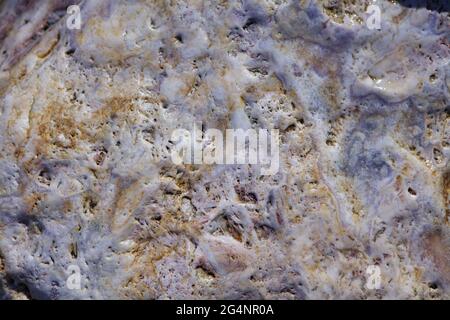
(87, 182)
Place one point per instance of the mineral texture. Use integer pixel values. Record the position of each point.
(92, 205)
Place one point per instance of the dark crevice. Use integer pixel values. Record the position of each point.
(433, 5)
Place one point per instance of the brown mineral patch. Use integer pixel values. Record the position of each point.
(338, 10)
(446, 194)
(436, 247)
(118, 105)
(2, 264)
(59, 129)
(331, 90)
(32, 201)
(47, 47)
(118, 108)
(228, 256)
(271, 84)
(147, 254)
(398, 18)
(67, 206)
(245, 195)
(57, 122)
(128, 198)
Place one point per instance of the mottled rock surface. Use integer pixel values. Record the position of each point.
(86, 177)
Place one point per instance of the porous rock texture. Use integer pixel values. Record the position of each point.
(86, 177)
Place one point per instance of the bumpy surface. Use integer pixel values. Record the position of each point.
(86, 177)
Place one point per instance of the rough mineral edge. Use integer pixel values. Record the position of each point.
(86, 177)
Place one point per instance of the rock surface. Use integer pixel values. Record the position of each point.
(86, 177)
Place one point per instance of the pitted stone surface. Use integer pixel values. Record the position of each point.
(86, 177)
